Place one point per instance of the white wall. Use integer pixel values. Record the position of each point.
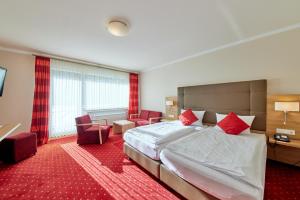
(16, 101)
(275, 58)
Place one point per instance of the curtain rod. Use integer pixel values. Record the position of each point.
(78, 61)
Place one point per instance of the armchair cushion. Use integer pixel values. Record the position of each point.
(136, 120)
(139, 121)
(154, 114)
(144, 114)
(142, 123)
(93, 128)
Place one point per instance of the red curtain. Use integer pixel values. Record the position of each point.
(133, 94)
(40, 113)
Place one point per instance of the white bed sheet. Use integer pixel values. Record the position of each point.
(150, 146)
(243, 180)
(162, 132)
(149, 149)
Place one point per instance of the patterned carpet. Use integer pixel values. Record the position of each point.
(63, 170)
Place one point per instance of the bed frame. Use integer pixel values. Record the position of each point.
(244, 98)
(147, 163)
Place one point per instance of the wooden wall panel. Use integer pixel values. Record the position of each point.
(172, 110)
(275, 119)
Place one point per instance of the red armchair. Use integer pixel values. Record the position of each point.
(89, 132)
(145, 117)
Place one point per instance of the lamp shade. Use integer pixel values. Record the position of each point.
(118, 28)
(169, 103)
(287, 106)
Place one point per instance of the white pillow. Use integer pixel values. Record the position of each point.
(247, 119)
(199, 115)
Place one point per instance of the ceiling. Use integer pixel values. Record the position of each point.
(160, 31)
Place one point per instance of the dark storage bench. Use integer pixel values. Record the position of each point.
(18, 147)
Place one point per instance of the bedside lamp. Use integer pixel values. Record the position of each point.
(286, 107)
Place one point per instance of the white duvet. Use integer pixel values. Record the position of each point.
(160, 132)
(240, 157)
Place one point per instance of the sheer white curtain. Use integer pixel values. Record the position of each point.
(77, 88)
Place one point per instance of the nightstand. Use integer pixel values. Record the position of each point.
(286, 152)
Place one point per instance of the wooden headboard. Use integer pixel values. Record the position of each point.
(243, 98)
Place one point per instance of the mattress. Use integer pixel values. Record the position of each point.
(149, 149)
(150, 146)
(202, 159)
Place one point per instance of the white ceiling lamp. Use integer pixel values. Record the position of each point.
(118, 28)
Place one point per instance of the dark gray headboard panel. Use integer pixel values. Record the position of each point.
(244, 98)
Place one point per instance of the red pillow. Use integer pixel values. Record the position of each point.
(188, 117)
(232, 124)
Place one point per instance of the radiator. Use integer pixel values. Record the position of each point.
(110, 115)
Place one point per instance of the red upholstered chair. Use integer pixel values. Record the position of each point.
(89, 132)
(145, 117)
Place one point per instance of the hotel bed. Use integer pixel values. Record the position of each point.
(225, 166)
(183, 173)
(143, 144)
(151, 139)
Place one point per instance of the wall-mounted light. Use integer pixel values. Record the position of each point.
(286, 107)
(170, 103)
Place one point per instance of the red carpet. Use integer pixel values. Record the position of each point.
(63, 170)
(282, 181)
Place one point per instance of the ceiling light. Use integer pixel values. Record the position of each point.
(118, 28)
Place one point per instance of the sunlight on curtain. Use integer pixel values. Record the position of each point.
(77, 88)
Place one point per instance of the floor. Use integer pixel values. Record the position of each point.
(63, 170)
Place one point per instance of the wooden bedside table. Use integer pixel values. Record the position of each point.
(286, 152)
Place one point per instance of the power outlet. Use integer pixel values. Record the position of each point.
(285, 131)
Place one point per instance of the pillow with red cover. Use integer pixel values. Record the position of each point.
(232, 124)
(188, 117)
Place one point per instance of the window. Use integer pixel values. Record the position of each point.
(77, 89)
